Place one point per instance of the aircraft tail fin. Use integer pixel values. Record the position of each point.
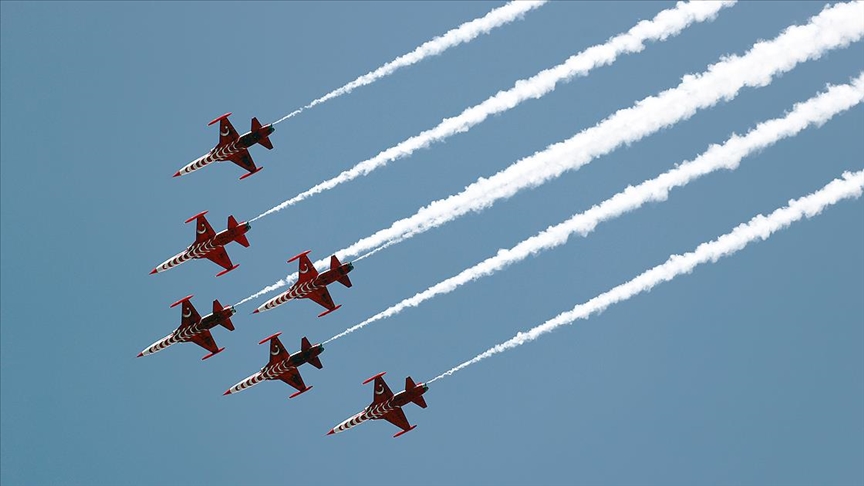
(334, 264)
(226, 323)
(232, 223)
(305, 345)
(265, 142)
(410, 385)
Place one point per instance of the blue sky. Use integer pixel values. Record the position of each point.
(748, 371)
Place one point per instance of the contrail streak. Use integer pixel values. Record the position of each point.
(665, 24)
(760, 227)
(464, 33)
(835, 27)
(815, 111)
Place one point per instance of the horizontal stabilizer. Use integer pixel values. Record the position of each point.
(334, 264)
(242, 240)
(410, 385)
(226, 323)
(265, 141)
(232, 223)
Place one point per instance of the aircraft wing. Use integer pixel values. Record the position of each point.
(188, 315)
(205, 340)
(203, 230)
(278, 353)
(227, 134)
(397, 418)
(307, 272)
(382, 392)
(293, 378)
(220, 257)
(322, 297)
(244, 160)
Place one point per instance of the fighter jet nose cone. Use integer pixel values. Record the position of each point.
(255, 311)
(331, 432)
(177, 174)
(140, 354)
(227, 392)
(152, 271)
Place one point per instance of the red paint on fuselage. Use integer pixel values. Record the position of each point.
(327, 277)
(226, 236)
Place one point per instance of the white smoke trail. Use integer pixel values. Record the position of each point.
(835, 27)
(466, 32)
(760, 227)
(665, 24)
(815, 111)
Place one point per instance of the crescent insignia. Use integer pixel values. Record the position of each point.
(188, 313)
(380, 389)
(226, 132)
(275, 350)
(203, 229)
(304, 268)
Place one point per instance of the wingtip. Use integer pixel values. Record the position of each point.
(251, 173)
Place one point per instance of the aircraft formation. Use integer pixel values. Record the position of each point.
(311, 284)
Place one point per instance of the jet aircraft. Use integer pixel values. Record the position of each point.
(312, 285)
(233, 147)
(387, 406)
(283, 366)
(209, 244)
(195, 328)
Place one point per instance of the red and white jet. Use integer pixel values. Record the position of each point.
(283, 365)
(387, 406)
(312, 285)
(195, 328)
(233, 147)
(209, 244)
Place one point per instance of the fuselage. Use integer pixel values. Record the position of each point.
(301, 290)
(376, 411)
(201, 249)
(182, 335)
(275, 370)
(221, 153)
